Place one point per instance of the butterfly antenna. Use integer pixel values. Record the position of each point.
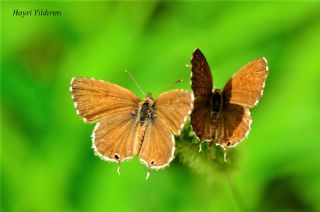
(178, 81)
(135, 81)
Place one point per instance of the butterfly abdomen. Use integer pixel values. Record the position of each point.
(216, 103)
(145, 114)
(141, 131)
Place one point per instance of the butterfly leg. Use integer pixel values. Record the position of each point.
(118, 170)
(200, 146)
(148, 173)
(225, 155)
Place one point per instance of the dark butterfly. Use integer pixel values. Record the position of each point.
(223, 115)
(127, 126)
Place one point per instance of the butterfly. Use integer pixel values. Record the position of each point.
(128, 126)
(223, 115)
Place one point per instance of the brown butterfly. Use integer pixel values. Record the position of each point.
(127, 126)
(223, 115)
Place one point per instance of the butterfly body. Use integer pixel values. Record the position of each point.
(216, 106)
(216, 101)
(223, 115)
(146, 114)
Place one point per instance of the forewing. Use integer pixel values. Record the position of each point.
(233, 125)
(246, 86)
(202, 84)
(96, 99)
(201, 119)
(113, 139)
(201, 78)
(173, 107)
(157, 149)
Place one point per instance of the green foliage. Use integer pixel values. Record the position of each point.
(209, 162)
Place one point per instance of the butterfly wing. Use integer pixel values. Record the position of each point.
(171, 110)
(96, 100)
(173, 107)
(114, 135)
(233, 125)
(114, 139)
(201, 83)
(201, 78)
(157, 149)
(241, 92)
(246, 86)
(201, 119)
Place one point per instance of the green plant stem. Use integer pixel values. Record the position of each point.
(237, 197)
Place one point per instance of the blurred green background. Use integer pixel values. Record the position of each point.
(47, 163)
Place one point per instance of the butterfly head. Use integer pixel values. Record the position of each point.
(148, 96)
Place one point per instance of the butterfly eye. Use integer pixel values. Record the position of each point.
(152, 162)
(116, 156)
(228, 143)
